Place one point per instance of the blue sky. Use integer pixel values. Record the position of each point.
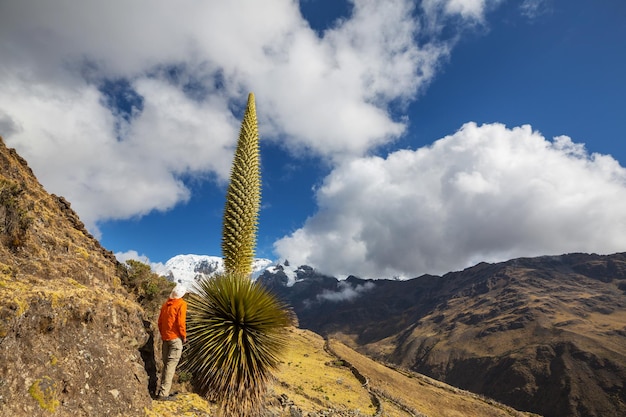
(397, 138)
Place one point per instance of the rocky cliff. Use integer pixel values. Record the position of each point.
(70, 333)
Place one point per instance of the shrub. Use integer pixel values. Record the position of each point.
(147, 287)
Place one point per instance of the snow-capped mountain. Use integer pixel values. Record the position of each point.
(187, 269)
(287, 274)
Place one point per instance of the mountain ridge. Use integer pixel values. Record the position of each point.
(189, 268)
(514, 331)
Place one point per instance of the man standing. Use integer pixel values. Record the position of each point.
(173, 334)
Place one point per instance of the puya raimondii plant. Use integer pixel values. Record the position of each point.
(236, 327)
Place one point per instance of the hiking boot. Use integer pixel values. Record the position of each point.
(164, 398)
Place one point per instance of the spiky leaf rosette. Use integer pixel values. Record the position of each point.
(236, 333)
(243, 198)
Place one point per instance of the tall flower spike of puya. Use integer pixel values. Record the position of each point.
(243, 198)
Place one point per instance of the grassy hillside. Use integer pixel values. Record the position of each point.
(417, 394)
(331, 378)
(310, 380)
(542, 334)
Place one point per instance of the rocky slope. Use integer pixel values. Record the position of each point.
(546, 335)
(69, 332)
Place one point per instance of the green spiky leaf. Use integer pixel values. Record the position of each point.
(236, 338)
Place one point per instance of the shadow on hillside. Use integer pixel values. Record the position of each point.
(149, 363)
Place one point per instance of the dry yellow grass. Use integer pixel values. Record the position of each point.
(313, 378)
(309, 377)
(420, 394)
(391, 409)
(185, 405)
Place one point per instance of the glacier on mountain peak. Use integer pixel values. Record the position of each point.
(189, 268)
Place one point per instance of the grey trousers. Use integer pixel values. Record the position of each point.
(172, 350)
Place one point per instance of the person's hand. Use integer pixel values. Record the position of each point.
(185, 340)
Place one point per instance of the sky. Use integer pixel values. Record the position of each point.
(398, 138)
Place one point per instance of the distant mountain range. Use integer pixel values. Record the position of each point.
(187, 269)
(545, 334)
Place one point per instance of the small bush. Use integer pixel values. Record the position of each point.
(82, 253)
(149, 289)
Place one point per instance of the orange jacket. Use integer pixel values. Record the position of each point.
(172, 319)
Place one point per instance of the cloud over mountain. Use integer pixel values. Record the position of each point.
(485, 193)
(346, 291)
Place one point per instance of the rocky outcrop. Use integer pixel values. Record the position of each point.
(69, 332)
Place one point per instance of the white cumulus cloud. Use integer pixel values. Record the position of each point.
(131, 255)
(130, 97)
(485, 193)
